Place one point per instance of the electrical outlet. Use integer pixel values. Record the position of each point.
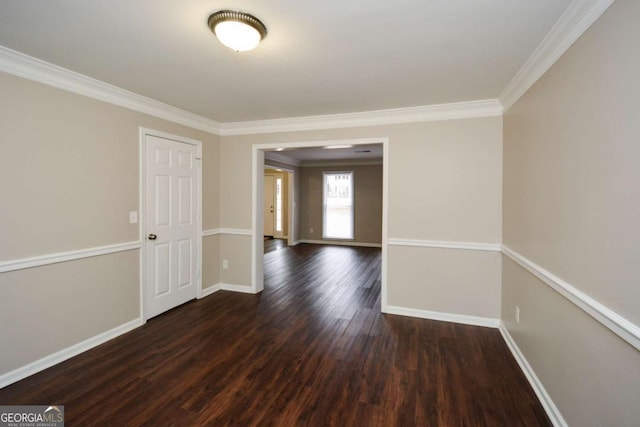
(225, 263)
(517, 314)
(311, 231)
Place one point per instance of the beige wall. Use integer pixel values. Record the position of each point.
(591, 374)
(49, 308)
(68, 178)
(461, 282)
(210, 261)
(571, 205)
(367, 199)
(445, 182)
(237, 251)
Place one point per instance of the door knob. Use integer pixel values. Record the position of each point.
(152, 237)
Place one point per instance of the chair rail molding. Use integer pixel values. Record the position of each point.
(231, 231)
(622, 327)
(53, 258)
(474, 246)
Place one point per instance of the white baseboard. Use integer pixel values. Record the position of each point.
(550, 408)
(225, 287)
(210, 290)
(235, 288)
(67, 353)
(444, 317)
(341, 243)
(296, 243)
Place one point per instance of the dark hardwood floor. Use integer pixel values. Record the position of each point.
(312, 349)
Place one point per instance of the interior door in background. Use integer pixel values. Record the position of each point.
(170, 224)
(269, 203)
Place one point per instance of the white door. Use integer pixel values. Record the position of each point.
(171, 224)
(269, 196)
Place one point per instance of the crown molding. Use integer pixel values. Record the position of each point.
(575, 21)
(457, 110)
(578, 17)
(28, 67)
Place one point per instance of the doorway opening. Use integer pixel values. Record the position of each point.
(294, 158)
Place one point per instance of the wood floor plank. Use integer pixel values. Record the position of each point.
(312, 349)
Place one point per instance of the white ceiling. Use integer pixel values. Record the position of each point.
(326, 57)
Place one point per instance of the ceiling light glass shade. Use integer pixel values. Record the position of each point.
(237, 30)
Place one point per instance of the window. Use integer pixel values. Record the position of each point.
(338, 205)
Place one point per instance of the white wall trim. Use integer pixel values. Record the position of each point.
(28, 67)
(475, 246)
(40, 260)
(456, 110)
(547, 403)
(577, 19)
(341, 243)
(236, 288)
(444, 317)
(622, 327)
(234, 231)
(220, 286)
(210, 290)
(67, 353)
(31, 68)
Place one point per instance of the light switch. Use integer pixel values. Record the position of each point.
(133, 217)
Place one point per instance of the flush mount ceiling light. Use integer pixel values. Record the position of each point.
(237, 30)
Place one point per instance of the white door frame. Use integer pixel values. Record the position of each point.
(257, 218)
(142, 216)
